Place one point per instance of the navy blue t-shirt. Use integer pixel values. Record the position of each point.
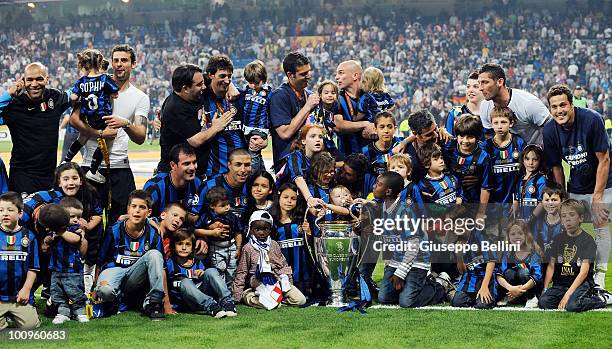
(284, 105)
(577, 147)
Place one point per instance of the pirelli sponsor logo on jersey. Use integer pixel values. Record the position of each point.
(126, 260)
(506, 168)
(529, 202)
(18, 256)
(289, 243)
(447, 199)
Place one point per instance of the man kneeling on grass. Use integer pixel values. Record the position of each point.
(263, 273)
(131, 261)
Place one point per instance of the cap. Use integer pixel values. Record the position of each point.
(260, 215)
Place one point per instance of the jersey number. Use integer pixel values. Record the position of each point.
(92, 102)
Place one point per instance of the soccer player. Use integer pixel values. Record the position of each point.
(530, 113)
(128, 122)
(380, 151)
(570, 266)
(66, 242)
(216, 103)
(93, 91)
(132, 248)
(290, 105)
(179, 185)
(579, 138)
(472, 107)
(18, 265)
(32, 112)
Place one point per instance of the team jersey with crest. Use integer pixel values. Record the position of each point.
(372, 103)
(222, 144)
(121, 250)
(349, 143)
(325, 118)
(296, 165)
(533, 263)
(96, 101)
(18, 254)
(544, 234)
(164, 192)
(476, 163)
(176, 273)
(291, 240)
(35, 200)
(65, 258)
(238, 197)
(320, 193)
(436, 195)
(528, 194)
(209, 217)
(476, 263)
(377, 158)
(504, 168)
(453, 116)
(255, 107)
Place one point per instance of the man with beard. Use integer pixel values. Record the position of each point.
(351, 131)
(179, 185)
(354, 175)
(531, 114)
(129, 122)
(290, 105)
(32, 113)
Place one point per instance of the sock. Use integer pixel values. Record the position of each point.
(73, 150)
(96, 160)
(602, 240)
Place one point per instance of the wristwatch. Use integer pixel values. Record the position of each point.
(127, 126)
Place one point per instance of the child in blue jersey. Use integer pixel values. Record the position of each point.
(401, 163)
(519, 273)
(548, 226)
(375, 97)
(192, 286)
(380, 151)
(291, 231)
(469, 162)
(570, 266)
(67, 244)
(472, 106)
(323, 115)
(504, 150)
(530, 188)
(254, 102)
(18, 265)
(223, 230)
(477, 286)
(94, 90)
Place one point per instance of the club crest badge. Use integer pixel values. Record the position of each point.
(25, 241)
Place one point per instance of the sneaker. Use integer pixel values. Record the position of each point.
(230, 309)
(604, 295)
(45, 293)
(532, 303)
(216, 311)
(83, 318)
(96, 177)
(449, 288)
(155, 311)
(60, 319)
(504, 301)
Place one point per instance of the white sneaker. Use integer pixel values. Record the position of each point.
(88, 276)
(532, 303)
(60, 319)
(604, 295)
(83, 318)
(600, 280)
(96, 177)
(504, 301)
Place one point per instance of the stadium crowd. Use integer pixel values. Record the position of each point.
(213, 227)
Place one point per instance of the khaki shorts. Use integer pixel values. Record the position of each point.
(25, 316)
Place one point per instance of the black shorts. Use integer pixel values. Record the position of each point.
(121, 183)
(23, 182)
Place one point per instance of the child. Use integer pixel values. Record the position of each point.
(465, 158)
(323, 115)
(570, 266)
(172, 218)
(380, 151)
(548, 227)
(94, 90)
(190, 283)
(477, 286)
(504, 150)
(226, 240)
(529, 190)
(290, 231)
(262, 188)
(401, 163)
(67, 245)
(18, 265)
(520, 273)
(375, 98)
(340, 196)
(254, 101)
(262, 266)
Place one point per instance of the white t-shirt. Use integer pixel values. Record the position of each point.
(530, 112)
(131, 103)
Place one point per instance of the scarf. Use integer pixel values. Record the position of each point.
(263, 272)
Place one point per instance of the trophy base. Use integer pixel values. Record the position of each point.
(337, 300)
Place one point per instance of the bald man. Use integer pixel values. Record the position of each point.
(348, 124)
(32, 113)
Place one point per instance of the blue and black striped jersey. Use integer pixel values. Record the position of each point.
(372, 103)
(121, 250)
(504, 168)
(476, 163)
(436, 195)
(533, 263)
(64, 257)
(176, 273)
(292, 242)
(544, 233)
(255, 107)
(296, 165)
(18, 254)
(476, 263)
(528, 193)
(321, 193)
(209, 217)
(349, 143)
(325, 118)
(377, 158)
(96, 101)
(164, 192)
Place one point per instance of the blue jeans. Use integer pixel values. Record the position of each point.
(146, 272)
(418, 290)
(581, 300)
(68, 292)
(197, 297)
(223, 257)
